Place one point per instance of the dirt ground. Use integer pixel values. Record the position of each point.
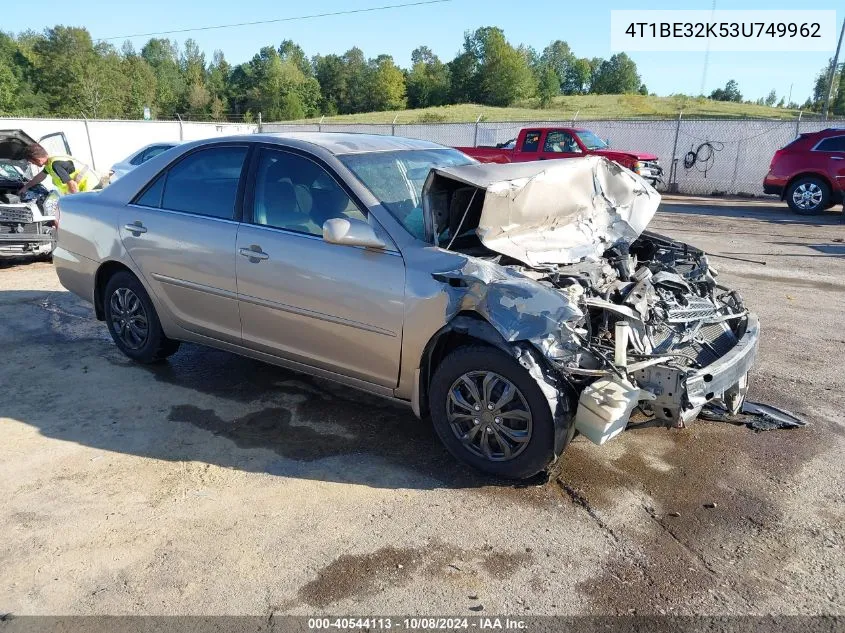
(215, 484)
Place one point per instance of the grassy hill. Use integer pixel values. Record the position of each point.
(564, 108)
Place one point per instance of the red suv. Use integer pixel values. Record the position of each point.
(808, 173)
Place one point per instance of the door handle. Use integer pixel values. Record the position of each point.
(254, 253)
(137, 228)
(837, 158)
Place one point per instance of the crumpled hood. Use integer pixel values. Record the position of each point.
(556, 212)
(13, 143)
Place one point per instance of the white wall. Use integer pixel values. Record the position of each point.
(112, 141)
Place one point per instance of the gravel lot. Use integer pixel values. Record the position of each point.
(218, 485)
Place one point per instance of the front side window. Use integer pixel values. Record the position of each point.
(590, 140)
(558, 142)
(205, 183)
(832, 144)
(396, 179)
(531, 142)
(296, 194)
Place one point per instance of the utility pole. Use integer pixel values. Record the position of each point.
(832, 71)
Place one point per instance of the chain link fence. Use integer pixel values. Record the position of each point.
(699, 156)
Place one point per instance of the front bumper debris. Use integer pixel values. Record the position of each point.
(680, 395)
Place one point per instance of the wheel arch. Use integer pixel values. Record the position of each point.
(811, 174)
(466, 328)
(105, 272)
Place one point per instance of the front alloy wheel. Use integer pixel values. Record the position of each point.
(489, 415)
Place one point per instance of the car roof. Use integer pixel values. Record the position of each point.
(340, 143)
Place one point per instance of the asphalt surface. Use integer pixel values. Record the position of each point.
(214, 484)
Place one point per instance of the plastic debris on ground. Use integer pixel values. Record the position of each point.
(754, 415)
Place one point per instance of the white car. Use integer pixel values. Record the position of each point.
(141, 156)
(28, 222)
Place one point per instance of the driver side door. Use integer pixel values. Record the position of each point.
(338, 308)
(560, 144)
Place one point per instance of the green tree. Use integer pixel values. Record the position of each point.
(729, 93)
(463, 74)
(289, 51)
(771, 98)
(617, 75)
(549, 87)
(559, 56)
(385, 85)
(192, 63)
(142, 88)
(65, 71)
(163, 57)
(503, 72)
(428, 81)
(355, 71)
(219, 77)
(331, 74)
(577, 78)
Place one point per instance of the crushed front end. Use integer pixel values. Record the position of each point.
(558, 259)
(685, 339)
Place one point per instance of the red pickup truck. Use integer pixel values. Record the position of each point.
(557, 142)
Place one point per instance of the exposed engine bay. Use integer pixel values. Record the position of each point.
(663, 300)
(624, 317)
(27, 222)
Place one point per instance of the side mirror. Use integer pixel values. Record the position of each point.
(350, 232)
(607, 142)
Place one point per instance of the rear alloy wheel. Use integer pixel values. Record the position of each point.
(490, 413)
(132, 320)
(808, 196)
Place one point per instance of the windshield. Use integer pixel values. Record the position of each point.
(397, 178)
(590, 140)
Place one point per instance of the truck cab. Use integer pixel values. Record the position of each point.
(549, 143)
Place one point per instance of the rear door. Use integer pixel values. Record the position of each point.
(181, 233)
(339, 308)
(560, 144)
(828, 156)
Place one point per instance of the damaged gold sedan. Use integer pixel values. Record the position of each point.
(515, 304)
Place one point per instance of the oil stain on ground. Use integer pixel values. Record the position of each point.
(352, 576)
(694, 508)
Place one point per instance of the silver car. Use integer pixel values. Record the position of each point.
(514, 304)
(139, 157)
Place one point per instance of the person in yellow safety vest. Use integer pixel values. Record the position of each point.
(68, 174)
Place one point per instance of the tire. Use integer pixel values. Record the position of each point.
(808, 196)
(127, 308)
(535, 450)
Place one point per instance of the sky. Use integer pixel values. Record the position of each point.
(584, 25)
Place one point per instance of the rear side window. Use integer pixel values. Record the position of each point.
(152, 152)
(531, 142)
(205, 183)
(832, 144)
(152, 196)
